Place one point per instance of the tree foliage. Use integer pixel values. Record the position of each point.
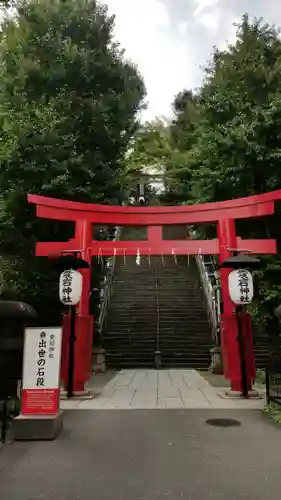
(68, 106)
(155, 145)
(149, 147)
(239, 144)
(230, 135)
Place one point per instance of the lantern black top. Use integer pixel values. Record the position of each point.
(240, 261)
(16, 309)
(69, 261)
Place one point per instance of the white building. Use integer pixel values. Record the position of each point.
(154, 176)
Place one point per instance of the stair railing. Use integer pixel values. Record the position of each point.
(107, 288)
(210, 282)
(211, 289)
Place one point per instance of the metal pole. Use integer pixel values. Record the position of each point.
(72, 339)
(4, 420)
(267, 385)
(244, 381)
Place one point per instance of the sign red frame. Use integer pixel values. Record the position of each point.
(40, 401)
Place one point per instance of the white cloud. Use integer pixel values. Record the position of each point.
(170, 40)
(207, 13)
(201, 5)
(210, 20)
(230, 36)
(143, 29)
(183, 27)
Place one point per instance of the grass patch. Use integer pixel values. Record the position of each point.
(274, 412)
(260, 377)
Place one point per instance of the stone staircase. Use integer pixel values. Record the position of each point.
(262, 347)
(157, 306)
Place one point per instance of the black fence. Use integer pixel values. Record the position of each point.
(273, 379)
(5, 418)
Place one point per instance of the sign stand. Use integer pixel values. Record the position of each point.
(244, 381)
(70, 291)
(72, 339)
(40, 418)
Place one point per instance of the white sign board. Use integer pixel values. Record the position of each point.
(70, 287)
(240, 285)
(41, 359)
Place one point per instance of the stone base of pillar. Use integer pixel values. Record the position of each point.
(37, 427)
(238, 394)
(86, 394)
(98, 360)
(216, 365)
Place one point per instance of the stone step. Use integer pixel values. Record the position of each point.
(186, 336)
(180, 334)
(130, 310)
(143, 355)
(166, 363)
(176, 335)
(149, 346)
(152, 306)
(167, 328)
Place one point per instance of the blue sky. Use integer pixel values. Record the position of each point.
(170, 40)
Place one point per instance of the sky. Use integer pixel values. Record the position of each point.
(171, 40)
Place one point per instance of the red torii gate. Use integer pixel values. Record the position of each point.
(84, 215)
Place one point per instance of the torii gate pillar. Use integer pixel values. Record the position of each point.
(229, 327)
(84, 329)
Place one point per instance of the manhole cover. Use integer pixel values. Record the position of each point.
(223, 422)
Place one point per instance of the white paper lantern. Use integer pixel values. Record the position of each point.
(240, 285)
(70, 287)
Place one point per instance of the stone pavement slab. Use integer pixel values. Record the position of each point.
(196, 403)
(148, 455)
(167, 402)
(157, 389)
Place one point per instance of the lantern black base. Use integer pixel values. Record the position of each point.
(37, 427)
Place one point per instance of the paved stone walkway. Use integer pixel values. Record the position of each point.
(152, 389)
(148, 455)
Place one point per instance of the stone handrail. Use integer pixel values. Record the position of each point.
(211, 288)
(106, 290)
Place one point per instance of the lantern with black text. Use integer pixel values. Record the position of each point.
(70, 287)
(240, 285)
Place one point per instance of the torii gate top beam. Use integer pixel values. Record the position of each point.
(252, 206)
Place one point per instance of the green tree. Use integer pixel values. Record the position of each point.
(184, 127)
(237, 146)
(68, 106)
(149, 147)
(154, 145)
(182, 136)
